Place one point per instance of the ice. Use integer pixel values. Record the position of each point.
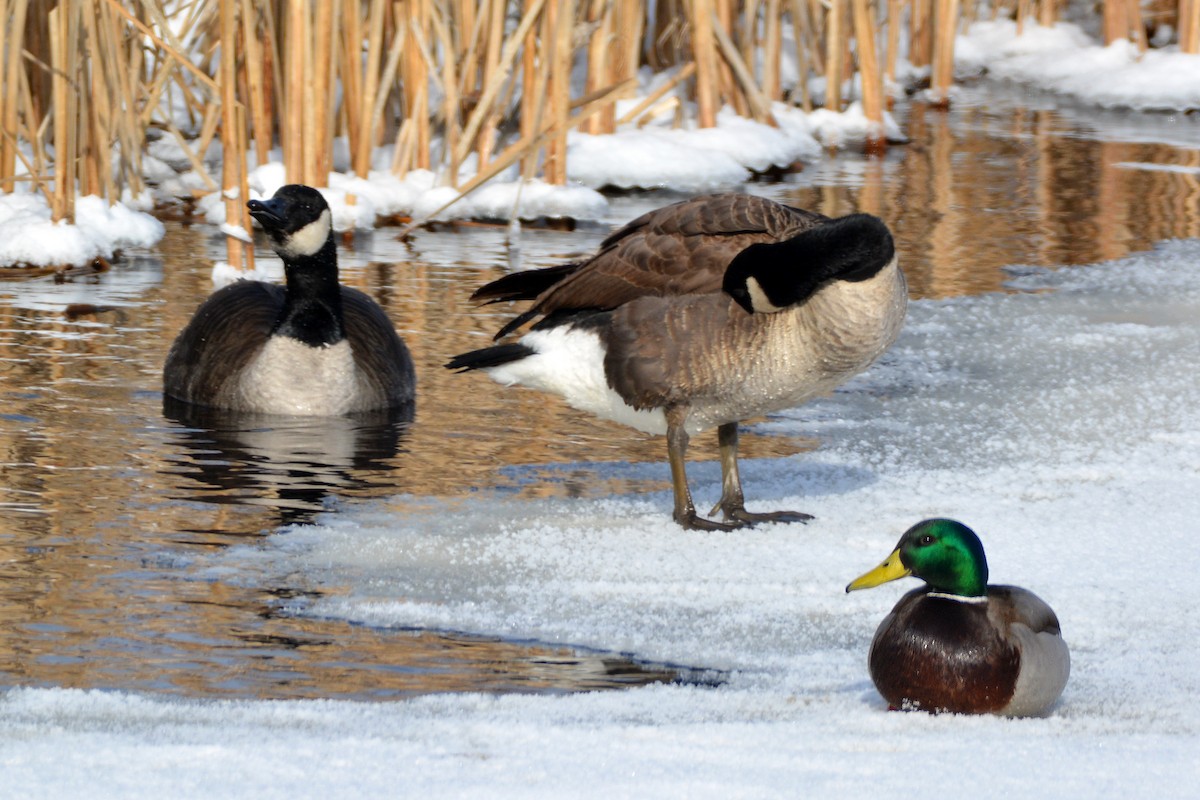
(1060, 419)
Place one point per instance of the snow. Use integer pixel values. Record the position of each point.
(1062, 59)
(1060, 420)
(29, 237)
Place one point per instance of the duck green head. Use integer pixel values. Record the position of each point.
(942, 552)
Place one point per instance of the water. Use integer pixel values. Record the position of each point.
(109, 506)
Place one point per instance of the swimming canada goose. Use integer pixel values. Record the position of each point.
(312, 347)
(702, 314)
(958, 644)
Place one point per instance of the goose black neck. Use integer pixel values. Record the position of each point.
(853, 248)
(312, 308)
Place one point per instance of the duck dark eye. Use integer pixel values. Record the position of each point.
(926, 539)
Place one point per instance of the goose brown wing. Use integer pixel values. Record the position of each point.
(381, 354)
(222, 337)
(679, 249)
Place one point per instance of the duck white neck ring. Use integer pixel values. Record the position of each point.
(958, 598)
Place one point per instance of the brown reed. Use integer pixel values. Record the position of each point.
(439, 80)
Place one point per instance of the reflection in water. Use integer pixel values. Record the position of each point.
(108, 509)
(289, 463)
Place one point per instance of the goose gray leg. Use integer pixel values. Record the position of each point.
(733, 502)
(677, 442)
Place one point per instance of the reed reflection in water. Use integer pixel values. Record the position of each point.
(109, 507)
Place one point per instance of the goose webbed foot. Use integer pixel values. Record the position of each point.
(688, 519)
(732, 504)
(740, 514)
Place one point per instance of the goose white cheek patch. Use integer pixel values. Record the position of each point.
(308, 240)
(758, 298)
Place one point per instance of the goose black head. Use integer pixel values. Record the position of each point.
(296, 218)
(772, 276)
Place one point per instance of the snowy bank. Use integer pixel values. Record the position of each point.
(28, 237)
(1064, 60)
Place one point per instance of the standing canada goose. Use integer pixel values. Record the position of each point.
(958, 644)
(702, 314)
(312, 347)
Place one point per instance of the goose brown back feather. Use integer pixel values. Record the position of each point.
(680, 249)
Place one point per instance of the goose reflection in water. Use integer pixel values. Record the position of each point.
(290, 463)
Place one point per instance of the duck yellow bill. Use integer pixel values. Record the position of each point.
(891, 569)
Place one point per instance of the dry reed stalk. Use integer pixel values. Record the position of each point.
(415, 79)
(817, 30)
(772, 82)
(602, 68)
(485, 108)
(629, 26)
(173, 51)
(705, 56)
(533, 126)
(869, 74)
(320, 120)
(62, 33)
(1114, 23)
(125, 69)
(519, 150)
(360, 149)
(104, 56)
(406, 140)
(466, 34)
(946, 19)
(529, 100)
(37, 168)
(562, 28)
(1189, 26)
(685, 73)
(1136, 25)
(233, 159)
(242, 145)
(291, 133)
(920, 26)
(895, 9)
(1048, 13)
(351, 71)
(12, 29)
(728, 91)
(308, 101)
(387, 78)
(451, 127)
(835, 48)
(759, 105)
(258, 91)
(743, 29)
(491, 75)
(802, 31)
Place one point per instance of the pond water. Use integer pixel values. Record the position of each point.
(108, 505)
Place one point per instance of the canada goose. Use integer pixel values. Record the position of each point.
(313, 348)
(958, 644)
(702, 314)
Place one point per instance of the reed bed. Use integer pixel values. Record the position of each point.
(466, 88)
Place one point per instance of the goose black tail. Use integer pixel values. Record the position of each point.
(486, 357)
(525, 285)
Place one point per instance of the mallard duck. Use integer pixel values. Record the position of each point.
(312, 347)
(702, 314)
(958, 644)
